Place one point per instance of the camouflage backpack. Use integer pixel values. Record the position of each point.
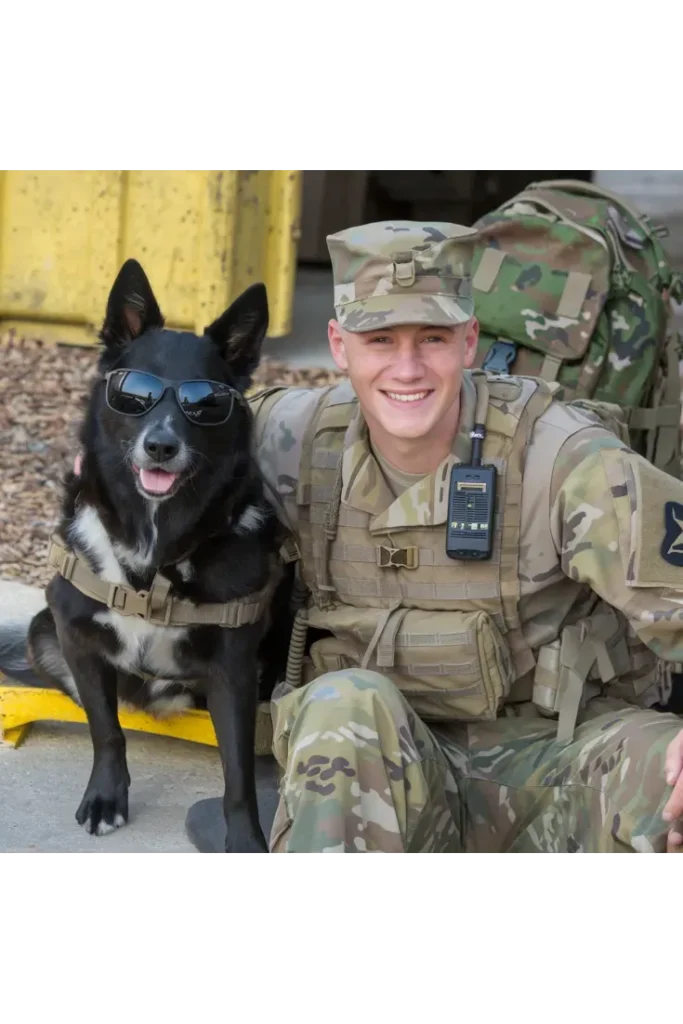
(572, 284)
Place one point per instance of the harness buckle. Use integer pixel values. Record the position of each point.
(116, 597)
(68, 564)
(152, 616)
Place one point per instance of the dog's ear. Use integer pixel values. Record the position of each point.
(131, 309)
(239, 332)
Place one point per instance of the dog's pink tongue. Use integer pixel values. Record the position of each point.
(157, 481)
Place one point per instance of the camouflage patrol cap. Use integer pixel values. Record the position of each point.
(402, 272)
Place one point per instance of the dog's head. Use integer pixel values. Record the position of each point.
(168, 406)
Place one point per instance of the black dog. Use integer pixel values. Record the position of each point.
(167, 486)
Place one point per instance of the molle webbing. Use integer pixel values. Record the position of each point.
(342, 561)
(157, 605)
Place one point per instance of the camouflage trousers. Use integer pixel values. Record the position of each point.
(361, 772)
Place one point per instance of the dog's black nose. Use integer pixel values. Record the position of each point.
(161, 445)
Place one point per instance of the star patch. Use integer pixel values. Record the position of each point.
(672, 545)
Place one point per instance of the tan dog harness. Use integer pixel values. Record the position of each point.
(157, 605)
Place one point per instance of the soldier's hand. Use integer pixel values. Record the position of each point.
(673, 809)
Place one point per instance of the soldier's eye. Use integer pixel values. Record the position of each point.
(435, 338)
(380, 339)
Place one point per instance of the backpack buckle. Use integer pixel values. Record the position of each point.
(500, 357)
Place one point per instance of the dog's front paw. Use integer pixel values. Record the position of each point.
(104, 806)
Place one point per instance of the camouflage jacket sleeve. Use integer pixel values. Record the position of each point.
(281, 416)
(617, 524)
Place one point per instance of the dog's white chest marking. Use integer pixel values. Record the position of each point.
(144, 646)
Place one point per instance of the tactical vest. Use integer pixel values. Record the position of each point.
(446, 632)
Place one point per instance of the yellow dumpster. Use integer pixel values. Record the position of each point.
(202, 237)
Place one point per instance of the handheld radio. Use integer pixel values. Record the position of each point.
(471, 505)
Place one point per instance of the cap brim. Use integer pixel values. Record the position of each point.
(393, 310)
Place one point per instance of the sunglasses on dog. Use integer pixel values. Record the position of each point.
(207, 403)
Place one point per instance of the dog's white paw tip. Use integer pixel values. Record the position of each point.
(103, 827)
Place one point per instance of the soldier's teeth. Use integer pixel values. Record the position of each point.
(407, 398)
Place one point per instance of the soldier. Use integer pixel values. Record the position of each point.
(459, 704)
(502, 704)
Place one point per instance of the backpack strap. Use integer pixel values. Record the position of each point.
(662, 423)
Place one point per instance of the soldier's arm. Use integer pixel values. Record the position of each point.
(281, 416)
(617, 524)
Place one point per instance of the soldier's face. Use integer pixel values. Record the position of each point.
(407, 378)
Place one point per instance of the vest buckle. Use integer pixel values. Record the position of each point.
(397, 558)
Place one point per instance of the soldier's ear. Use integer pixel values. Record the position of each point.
(337, 346)
(239, 333)
(471, 341)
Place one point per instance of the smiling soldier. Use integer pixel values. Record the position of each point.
(483, 681)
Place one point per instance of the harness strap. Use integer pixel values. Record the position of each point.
(564, 666)
(157, 605)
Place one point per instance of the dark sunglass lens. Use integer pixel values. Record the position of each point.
(133, 393)
(206, 402)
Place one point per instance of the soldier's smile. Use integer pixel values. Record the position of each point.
(408, 398)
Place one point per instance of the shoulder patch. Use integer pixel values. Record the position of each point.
(672, 545)
(656, 523)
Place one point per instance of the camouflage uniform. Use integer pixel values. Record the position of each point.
(361, 769)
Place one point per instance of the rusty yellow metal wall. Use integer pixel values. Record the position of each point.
(202, 237)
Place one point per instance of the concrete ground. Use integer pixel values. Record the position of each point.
(42, 781)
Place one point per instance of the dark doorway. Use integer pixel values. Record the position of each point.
(457, 194)
(334, 200)
(494, 185)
